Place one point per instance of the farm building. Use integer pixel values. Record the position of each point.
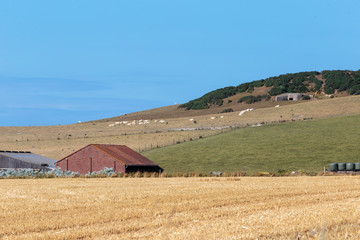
(289, 97)
(22, 159)
(96, 157)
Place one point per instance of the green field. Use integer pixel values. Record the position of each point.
(304, 146)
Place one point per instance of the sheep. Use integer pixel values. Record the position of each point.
(213, 118)
(242, 112)
(222, 117)
(277, 106)
(191, 119)
(162, 121)
(117, 123)
(111, 125)
(246, 110)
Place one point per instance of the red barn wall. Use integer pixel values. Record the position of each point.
(80, 161)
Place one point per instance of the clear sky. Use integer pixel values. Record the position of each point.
(67, 61)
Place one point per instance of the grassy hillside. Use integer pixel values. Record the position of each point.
(308, 145)
(328, 82)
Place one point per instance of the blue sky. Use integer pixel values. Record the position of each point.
(68, 61)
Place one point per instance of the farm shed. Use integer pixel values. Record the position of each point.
(22, 159)
(289, 97)
(95, 157)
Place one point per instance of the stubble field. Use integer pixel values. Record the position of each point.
(181, 208)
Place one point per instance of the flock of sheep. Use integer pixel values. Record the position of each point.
(140, 122)
(134, 122)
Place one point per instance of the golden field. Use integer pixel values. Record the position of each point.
(59, 141)
(181, 208)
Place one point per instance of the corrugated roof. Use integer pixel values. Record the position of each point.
(30, 158)
(124, 154)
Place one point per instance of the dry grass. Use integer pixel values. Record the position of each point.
(59, 141)
(181, 208)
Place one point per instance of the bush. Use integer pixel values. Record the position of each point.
(31, 173)
(252, 99)
(306, 97)
(297, 82)
(215, 97)
(227, 110)
(106, 172)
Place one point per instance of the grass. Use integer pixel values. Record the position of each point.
(180, 208)
(305, 146)
(59, 141)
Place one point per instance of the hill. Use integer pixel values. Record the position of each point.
(307, 145)
(326, 82)
(59, 141)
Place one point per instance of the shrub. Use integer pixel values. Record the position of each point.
(252, 99)
(106, 172)
(306, 97)
(31, 173)
(227, 110)
(297, 82)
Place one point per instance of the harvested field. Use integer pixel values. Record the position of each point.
(181, 208)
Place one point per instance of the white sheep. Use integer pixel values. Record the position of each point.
(191, 119)
(162, 121)
(222, 117)
(213, 118)
(111, 125)
(242, 112)
(277, 106)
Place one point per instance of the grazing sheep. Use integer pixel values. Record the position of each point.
(191, 119)
(111, 125)
(162, 121)
(246, 110)
(277, 106)
(213, 118)
(222, 117)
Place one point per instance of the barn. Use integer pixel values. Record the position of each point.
(24, 159)
(95, 157)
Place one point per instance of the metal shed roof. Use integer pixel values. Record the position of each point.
(124, 154)
(30, 158)
(121, 153)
